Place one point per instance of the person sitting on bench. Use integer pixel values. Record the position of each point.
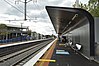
(77, 47)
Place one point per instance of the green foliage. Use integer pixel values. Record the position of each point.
(3, 29)
(29, 32)
(95, 12)
(92, 7)
(3, 26)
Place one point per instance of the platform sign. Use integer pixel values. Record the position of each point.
(62, 52)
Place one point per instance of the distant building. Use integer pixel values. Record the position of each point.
(12, 31)
(36, 36)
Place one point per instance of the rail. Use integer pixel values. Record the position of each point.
(14, 58)
(40, 54)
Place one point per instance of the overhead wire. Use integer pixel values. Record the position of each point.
(38, 7)
(20, 7)
(16, 8)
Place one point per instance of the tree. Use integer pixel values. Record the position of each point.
(83, 6)
(29, 32)
(92, 7)
(3, 30)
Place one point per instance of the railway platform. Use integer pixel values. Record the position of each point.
(59, 55)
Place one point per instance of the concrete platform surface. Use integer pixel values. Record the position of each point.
(71, 59)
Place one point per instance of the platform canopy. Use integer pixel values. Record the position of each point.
(65, 19)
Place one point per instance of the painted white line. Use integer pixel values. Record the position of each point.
(13, 44)
(32, 61)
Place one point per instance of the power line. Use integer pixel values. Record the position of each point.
(20, 7)
(15, 7)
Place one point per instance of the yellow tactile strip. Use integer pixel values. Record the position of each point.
(47, 56)
(47, 60)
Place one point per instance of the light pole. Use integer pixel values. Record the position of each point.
(25, 10)
(21, 31)
(25, 4)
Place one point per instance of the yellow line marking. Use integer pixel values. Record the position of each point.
(47, 60)
(53, 46)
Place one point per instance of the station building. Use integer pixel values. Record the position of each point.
(10, 32)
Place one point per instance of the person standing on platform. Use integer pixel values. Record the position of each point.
(66, 44)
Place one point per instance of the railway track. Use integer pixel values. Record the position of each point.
(20, 57)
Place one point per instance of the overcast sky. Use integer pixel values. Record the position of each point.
(40, 22)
